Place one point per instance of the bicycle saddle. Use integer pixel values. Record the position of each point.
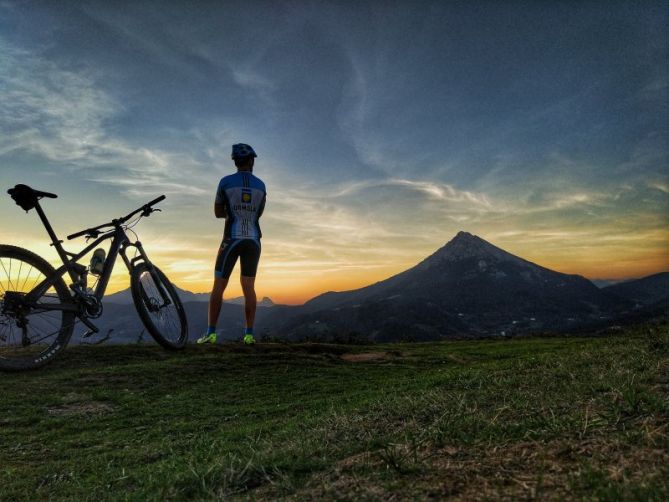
(27, 197)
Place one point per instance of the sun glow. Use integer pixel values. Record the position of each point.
(293, 274)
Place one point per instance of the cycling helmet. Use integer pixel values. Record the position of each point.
(242, 150)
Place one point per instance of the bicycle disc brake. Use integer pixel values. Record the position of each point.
(153, 305)
(23, 324)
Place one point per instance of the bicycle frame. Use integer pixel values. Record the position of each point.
(119, 245)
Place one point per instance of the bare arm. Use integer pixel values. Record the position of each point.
(220, 211)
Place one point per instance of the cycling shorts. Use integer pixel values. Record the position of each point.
(247, 250)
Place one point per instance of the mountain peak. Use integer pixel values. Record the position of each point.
(467, 245)
(466, 242)
(463, 237)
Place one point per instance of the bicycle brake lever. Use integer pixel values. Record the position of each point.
(148, 211)
(92, 235)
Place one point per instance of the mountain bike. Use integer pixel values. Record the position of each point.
(38, 311)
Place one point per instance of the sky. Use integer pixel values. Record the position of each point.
(382, 129)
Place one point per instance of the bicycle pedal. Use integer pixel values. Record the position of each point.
(91, 327)
(88, 334)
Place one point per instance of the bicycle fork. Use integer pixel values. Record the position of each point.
(143, 258)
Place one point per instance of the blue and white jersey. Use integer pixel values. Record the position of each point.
(243, 196)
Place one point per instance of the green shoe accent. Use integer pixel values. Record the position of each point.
(210, 338)
(249, 340)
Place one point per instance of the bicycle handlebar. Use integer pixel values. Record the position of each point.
(143, 208)
(119, 221)
(87, 231)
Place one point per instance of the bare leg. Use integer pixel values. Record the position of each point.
(216, 299)
(248, 287)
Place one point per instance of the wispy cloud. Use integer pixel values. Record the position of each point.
(47, 110)
(662, 186)
(63, 116)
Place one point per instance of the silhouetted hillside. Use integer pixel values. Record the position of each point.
(645, 291)
(469, 287)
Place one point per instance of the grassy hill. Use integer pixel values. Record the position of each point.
(534, 417)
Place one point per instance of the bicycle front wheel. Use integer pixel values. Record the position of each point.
(32, 333)
(159, 306)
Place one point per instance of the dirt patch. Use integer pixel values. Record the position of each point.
(367, 356)
(457, 359)
(261, 347)
(85, 408)
(514, 471)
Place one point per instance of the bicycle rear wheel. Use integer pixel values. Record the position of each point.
(31, 334)
(159, 306)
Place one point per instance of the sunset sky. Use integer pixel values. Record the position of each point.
(382, 129)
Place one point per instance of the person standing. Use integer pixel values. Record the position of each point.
(240, 199)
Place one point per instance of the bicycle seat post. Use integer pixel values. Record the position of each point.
(54, 238)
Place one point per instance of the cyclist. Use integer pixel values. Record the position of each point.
(240, 199)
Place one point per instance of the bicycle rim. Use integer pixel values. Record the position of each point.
(164, 316)
(29, 335)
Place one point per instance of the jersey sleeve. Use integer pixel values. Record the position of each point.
(220, 199)
(262, 205)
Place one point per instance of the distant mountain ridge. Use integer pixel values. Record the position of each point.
(644, 291)
(124, 297)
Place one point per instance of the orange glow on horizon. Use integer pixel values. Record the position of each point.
(294, 283)
(297, 292)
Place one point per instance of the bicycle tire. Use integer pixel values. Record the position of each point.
(61, 334)
(141, 297)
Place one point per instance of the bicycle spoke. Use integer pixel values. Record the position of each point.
(33, 342)
(166, 317)
(29, 330)
(35, 282)
(11, 332)
(4, 330)
(9, 279)
(27, 277)
(18, 275)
